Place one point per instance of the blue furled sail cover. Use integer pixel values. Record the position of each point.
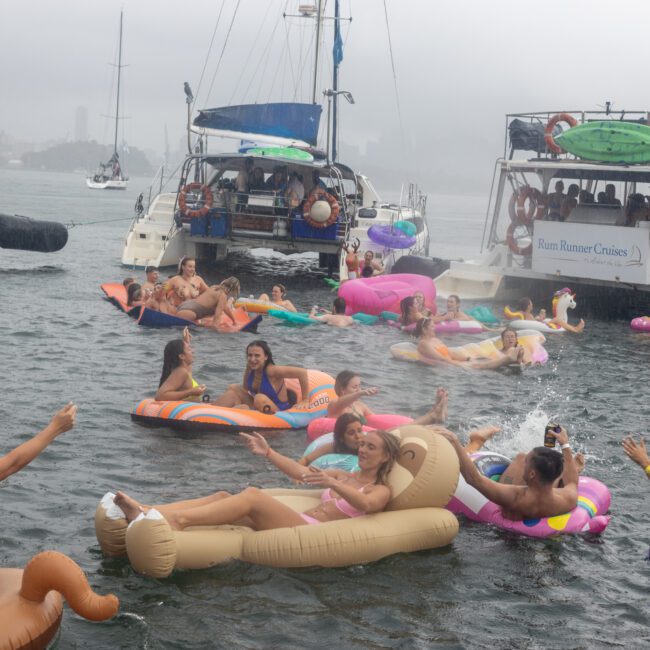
(287, 123)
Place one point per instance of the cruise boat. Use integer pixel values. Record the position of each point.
(302, 199)
(594, 237)
(109, 175)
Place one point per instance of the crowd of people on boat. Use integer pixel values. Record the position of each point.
(559, 205)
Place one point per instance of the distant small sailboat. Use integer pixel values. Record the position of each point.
(109, 175)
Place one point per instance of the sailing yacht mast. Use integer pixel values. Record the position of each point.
(119, 74)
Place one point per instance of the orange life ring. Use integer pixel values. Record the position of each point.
(205, 193)
(512, 242)
(548, 131)
(319, 194)
(536, 208)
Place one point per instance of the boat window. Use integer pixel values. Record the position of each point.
(367, 213)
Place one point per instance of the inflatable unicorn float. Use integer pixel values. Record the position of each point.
(563, 300)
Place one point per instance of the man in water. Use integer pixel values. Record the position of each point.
(337, 318)
(541, 483)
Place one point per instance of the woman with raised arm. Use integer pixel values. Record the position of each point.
(176, 381)
(348, 495)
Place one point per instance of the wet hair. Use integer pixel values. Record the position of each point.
(548, 463)
(404, 305)
(127, 282)
(182, 262)
(343, 379)
(132, 293)
(510, 329)
(171, 358)
(393, 448)
(367, 272)
(420, 325)
(523, 303)
(455, 297)
(282, 288)
(340, 427)
(265, 347)
(339, 305)
(150, 269)
(231, 286)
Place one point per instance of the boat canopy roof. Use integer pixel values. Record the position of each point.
(574, 169)
(280, 123)
(268, 163)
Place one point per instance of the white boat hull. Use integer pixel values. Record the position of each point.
(106, 185)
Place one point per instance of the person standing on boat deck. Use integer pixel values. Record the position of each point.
(277, 182)
(570, 202)
(256, 181)
(187, 285)
(610, 191)
(152, 274)
(295, 190)
(243, 181)
(24, 454)
(554, 202)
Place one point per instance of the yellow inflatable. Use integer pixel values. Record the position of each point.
(31, 606)
(422, 482)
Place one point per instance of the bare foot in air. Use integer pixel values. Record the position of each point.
(479, 437)
(579, 460)
(438, 412)
(129, 506)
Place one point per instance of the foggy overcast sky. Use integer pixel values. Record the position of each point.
(461, 65)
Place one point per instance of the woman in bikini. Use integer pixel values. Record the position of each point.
(176, 381)
(348, 495)
(348, 388)
(263, 387)
(212, 303)
(186, 285)
(433, 351)
(278, 293)
(410, 308)
(348, 434)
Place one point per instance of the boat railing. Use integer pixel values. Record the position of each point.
(541, 119)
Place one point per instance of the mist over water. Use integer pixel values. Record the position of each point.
(489, 589)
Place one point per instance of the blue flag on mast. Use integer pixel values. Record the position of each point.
(337, 50)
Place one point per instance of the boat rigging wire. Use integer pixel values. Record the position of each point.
(392, 62)
(223, 49)
(207, 56)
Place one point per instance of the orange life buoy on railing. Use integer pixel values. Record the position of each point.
(548, 131)
(206, 195)
(536, 207)
(319, 194)
(512, 242)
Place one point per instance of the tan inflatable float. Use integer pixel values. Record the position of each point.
(422, 482)
(31, 603)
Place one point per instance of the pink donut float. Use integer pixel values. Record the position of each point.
(321, 426)
(589, 516)
(640, 324)
(384, 293)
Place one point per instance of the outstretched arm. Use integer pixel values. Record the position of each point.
(503, 495)
(327, 448)
(259, 446)
(637, 452)
(24, 454)
(336, 408)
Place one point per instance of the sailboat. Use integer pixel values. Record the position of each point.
(109, 175)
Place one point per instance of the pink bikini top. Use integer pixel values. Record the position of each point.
(341, 504)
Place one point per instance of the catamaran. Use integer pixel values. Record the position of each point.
(572, 213)
(276, 190)
(109, 175)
